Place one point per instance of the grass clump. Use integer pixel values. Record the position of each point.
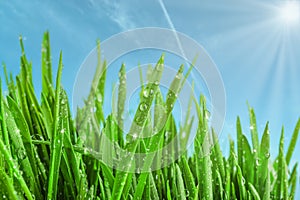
(46, 154)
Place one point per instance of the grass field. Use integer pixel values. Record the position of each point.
(46, 154)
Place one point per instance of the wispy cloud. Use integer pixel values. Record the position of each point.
(117, 12)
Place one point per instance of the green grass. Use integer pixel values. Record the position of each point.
(46, 154)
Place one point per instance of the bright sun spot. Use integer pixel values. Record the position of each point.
(290, 12)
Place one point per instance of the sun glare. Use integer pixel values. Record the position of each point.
(290, 12)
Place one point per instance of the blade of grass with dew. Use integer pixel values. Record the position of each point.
(249, 160)
(153, 189)
(3, 121)
(218, 186)
(26, 68)
(101, 188)
(98, 85)
(233, 192)
(263, 164)
(146, 194)
(206, 166)
(189, 179)
(56, 142)
(47, 115)
(24, 105)
(180, 184)
(173, 178)
(278, 188)
(293, 182)
(255, 143)
(293, 142)
(267, 189)
(185, 131)
(228, 181)
(46, 64)
(121, 103)
(239, 133)
(218, 160)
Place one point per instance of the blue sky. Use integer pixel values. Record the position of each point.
(255, 49)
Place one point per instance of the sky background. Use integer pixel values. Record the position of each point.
(256, 51)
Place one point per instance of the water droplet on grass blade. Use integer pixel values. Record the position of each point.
(134, 136)
(257, 162)
(267, 155)
(21, 153)
(146, 93)
(143, 106)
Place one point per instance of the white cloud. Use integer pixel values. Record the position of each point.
(117, 12)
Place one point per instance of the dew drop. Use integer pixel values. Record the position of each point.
(178, 76)
(134, 136)
(257, 163)
(267, 155)
(146, 93)
(143, 106)
(183, 134)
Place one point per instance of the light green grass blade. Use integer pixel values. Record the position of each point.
(188, 179)
(218, 160)
(293, 182)
(180, 184)
(279, 184)
(57, 136)
(240, 154)
(254, 192)
(293, 143)
(46, 64)
(241, 183)
(207, 170)
(121, 103)
(263, 162)
(169, 196)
